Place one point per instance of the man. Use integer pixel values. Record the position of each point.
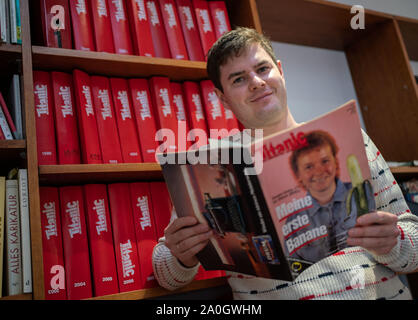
(249, 80)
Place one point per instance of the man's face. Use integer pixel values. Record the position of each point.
(254, 88)
(317, 169)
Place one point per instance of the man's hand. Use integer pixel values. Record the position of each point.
(185, 238)
(375, 231)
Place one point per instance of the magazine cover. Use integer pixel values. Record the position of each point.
(294, 210)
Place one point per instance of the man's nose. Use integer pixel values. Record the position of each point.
(256, 82)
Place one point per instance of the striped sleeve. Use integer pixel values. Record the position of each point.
(168, 271)
(388, 195)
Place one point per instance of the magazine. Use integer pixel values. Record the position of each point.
(278, 204)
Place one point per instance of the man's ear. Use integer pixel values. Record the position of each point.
(222, 97)
(279, 65)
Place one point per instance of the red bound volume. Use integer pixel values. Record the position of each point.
(76, 249)
(65, 119)
(140, 28)
(82, 25)
(220, 17)
(56, 23)
(231, 120)
(204, 23)
(166, 117)
(128, 136)
(44, 115)
(162, 206)
(178, 104)
(124, 237)
(120, 27)
(106, 122)
(196, 114)
(102, 26)
(190, 31)
(145, 118)
(52, 249)
(173, 29)
(87, 124)
(145, 230)
(102, 252)
(158, 34)
(215, 113)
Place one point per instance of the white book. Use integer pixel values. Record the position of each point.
(13, 252)
(4, 126)
(12, 21)
(3, 21)
(22, 177)
(16, 106)
(2, 226)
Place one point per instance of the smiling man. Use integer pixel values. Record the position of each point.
(250, 82)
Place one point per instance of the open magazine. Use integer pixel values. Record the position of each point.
(279, 204)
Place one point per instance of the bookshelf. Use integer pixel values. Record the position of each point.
(306, 22)
(27, 57)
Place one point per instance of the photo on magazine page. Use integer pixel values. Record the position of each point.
(244, 238)
(316, 182)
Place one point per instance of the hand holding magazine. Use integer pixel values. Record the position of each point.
(278, 204)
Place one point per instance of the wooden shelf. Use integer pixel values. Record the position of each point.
(9, 55)
(404, 172)
(25, 296)
(12, 152)
(314, 23)
(409, 30)
(116, 65)
(157, 292)
(98, 173)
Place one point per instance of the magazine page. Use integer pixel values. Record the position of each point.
(316, 182)
(217, 192)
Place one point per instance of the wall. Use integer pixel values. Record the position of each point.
(319, 80)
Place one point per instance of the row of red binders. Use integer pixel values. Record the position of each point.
(96, 119)
(98, 239)
(178, 29)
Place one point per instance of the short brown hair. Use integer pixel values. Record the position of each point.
(233, 44)
(314, 139)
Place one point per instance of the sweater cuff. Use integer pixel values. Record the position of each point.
(393, 259)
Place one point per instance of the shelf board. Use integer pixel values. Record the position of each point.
(101, 63)
(98, 173)
(157, 292)
(9, 54)
(24, 296)
(315, 23)
(409, 30)
(404, 171)
(12, 151)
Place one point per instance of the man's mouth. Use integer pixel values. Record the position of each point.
(261, 96)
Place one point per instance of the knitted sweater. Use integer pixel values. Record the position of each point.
(352, 273)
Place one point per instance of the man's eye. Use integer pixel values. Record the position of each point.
(238, 80)
(263, 69)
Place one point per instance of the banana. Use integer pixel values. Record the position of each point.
(360, 188)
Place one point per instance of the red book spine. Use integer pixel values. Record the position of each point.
(140, 28)
(215, 113)
(166, 117)
(173, 30)
(106, 122)
(190, 31)
(76, 250)
(89, 136)
(145, 118)
(56, 23)
(102, 252)
(120, 27)
(204, 23)
(44, 116)
(102, 26)
(158, 34)
(65, 119)
(52, 249)
(146, 236)
(184, 142)
(124, 237)
(220, 18)
(82, 25)
(231, 120)
(161, 203)
(196, 115)
(131, 152)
